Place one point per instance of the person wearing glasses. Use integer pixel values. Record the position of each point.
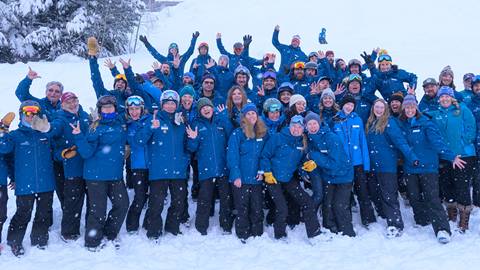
(388, 78)
(168, 161)
(103, 151)
(31, 145)
(208, 89)
(223, 76)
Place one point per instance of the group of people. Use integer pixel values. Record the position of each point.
(315, 137)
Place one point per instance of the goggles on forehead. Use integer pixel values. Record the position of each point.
(384, 57)
(300, 65)
(269, 74)
(135, 101)
(355, 77)
(121, 77)
(274, 108)
(30, 110)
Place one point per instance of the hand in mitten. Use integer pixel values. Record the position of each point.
(70, 152)
(40, 124)
(92, 45)
(269, 178)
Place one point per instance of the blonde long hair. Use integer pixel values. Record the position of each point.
(378, 124)
(259, 130)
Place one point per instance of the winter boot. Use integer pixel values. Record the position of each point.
(452, 211)
(92, 45)
(465, 211)
(17, 250)
(443, 237)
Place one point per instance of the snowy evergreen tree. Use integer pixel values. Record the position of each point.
(45, 29)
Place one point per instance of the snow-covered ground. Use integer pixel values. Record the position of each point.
(421, 36)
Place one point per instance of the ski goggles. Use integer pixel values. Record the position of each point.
(476, 79)
(121, 77)
(30, 110)
(269, 74)
(135, 101)
(274, 108)
(384, 57)
(170, 95)
(299, 65)
(354, 77)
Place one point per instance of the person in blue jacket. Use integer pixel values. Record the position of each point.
(385, 141)
(168, 161)
(429, 101)
(173, 51)
(474, 106)
(241, 77)
(289, 53)
(53, 91)
(66, 151)
(245, 146)
(102, 147)
(6, 171)
(281, 157)
(458, 128)
(223, 76)
(467, 92)
(284, 93)
(120, 88)
(207, 138)
(388, 78)
(137, 117)
(49, 104)
(272, 115)
(362, 98)
(349, 126)
(327, 108)
(268, 89)
(240, 53)
(208, 89)
(300, 83)
(198, 65)
(326, 158)
(236, 99)
(422, 179)
(33, 173)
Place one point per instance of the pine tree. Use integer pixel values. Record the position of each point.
(45, 29)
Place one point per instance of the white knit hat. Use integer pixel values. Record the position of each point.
(296, 98)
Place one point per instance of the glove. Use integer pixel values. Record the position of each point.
(93, 114)
(247, 39)
(178, 118)
(309, 166)
(6, 121)
(92, 45)
(269, 179)
(367, 58)
(40, 124)
(70, 152)
(195, 34)
(143, 39)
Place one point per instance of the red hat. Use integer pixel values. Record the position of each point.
(66, 96)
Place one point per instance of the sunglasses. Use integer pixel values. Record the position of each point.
(208, 82)
(384, 57)
(30, 110)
